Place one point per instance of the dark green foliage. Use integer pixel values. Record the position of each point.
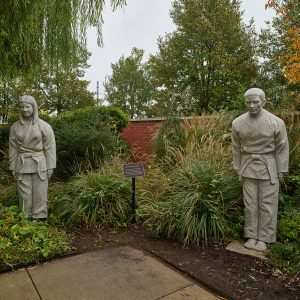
(288, 228)
(4, 136)
(87, 136)
(285, 254)
(9, 192)
(23, 241)
(91, 200)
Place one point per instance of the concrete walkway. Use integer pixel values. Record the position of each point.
(111, 274)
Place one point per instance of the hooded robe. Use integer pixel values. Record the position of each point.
(32, 152)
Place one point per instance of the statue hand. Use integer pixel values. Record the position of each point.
(14, 174)
(49, 172)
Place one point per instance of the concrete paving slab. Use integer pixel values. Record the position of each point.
(17, 286)
(193, 292)
(115, 273)
(237, 246)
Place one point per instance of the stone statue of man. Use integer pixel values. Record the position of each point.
(260, 157)
(32, 157)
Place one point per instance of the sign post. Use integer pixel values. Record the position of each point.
(133, 170)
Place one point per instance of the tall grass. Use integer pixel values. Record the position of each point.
(197, 193)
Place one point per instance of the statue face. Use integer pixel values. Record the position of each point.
(254, 105)
(26, 110)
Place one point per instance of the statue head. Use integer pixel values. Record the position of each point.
(255, 100)
(28, 108)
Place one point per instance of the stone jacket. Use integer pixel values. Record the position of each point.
(32, 148)
(260, 146)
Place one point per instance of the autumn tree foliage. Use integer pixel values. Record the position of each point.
(287, 26)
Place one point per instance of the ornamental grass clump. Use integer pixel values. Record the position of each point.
(200, 204)
(198, 196)
(93, 199)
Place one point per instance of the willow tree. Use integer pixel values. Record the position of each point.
(38, 30)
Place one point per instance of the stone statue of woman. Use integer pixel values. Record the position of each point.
(32, 157)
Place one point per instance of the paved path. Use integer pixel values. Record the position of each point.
(121, 273)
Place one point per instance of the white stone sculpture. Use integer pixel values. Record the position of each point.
(260, 157)
(32, 157)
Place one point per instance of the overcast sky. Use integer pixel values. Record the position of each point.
(139, 24)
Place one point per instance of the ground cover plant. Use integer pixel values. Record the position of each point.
(23, 241)
(286, 252)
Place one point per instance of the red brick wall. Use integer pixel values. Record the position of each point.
(139, 135)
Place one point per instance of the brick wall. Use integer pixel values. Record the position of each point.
(139, 135)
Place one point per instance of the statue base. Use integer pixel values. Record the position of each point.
(238, 247)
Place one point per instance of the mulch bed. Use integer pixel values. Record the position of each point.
(237, 276)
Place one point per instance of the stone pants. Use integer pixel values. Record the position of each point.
(33, 196)
(261, 205)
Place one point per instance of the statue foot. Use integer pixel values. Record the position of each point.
(260, 246)
(250, 244)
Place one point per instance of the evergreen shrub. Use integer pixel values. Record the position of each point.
(87, 137)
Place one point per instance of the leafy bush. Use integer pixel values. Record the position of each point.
(87, 136)
(92, 199)
(288, 228)
(285, 254)
(23, 241)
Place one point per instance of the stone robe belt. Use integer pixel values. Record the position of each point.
(266, 158)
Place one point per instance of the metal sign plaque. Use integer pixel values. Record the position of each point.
(133, 170)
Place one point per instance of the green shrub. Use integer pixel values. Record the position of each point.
(285, 254)
(23, 241)
(92, 199)
(87, 137)
(288, 228)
